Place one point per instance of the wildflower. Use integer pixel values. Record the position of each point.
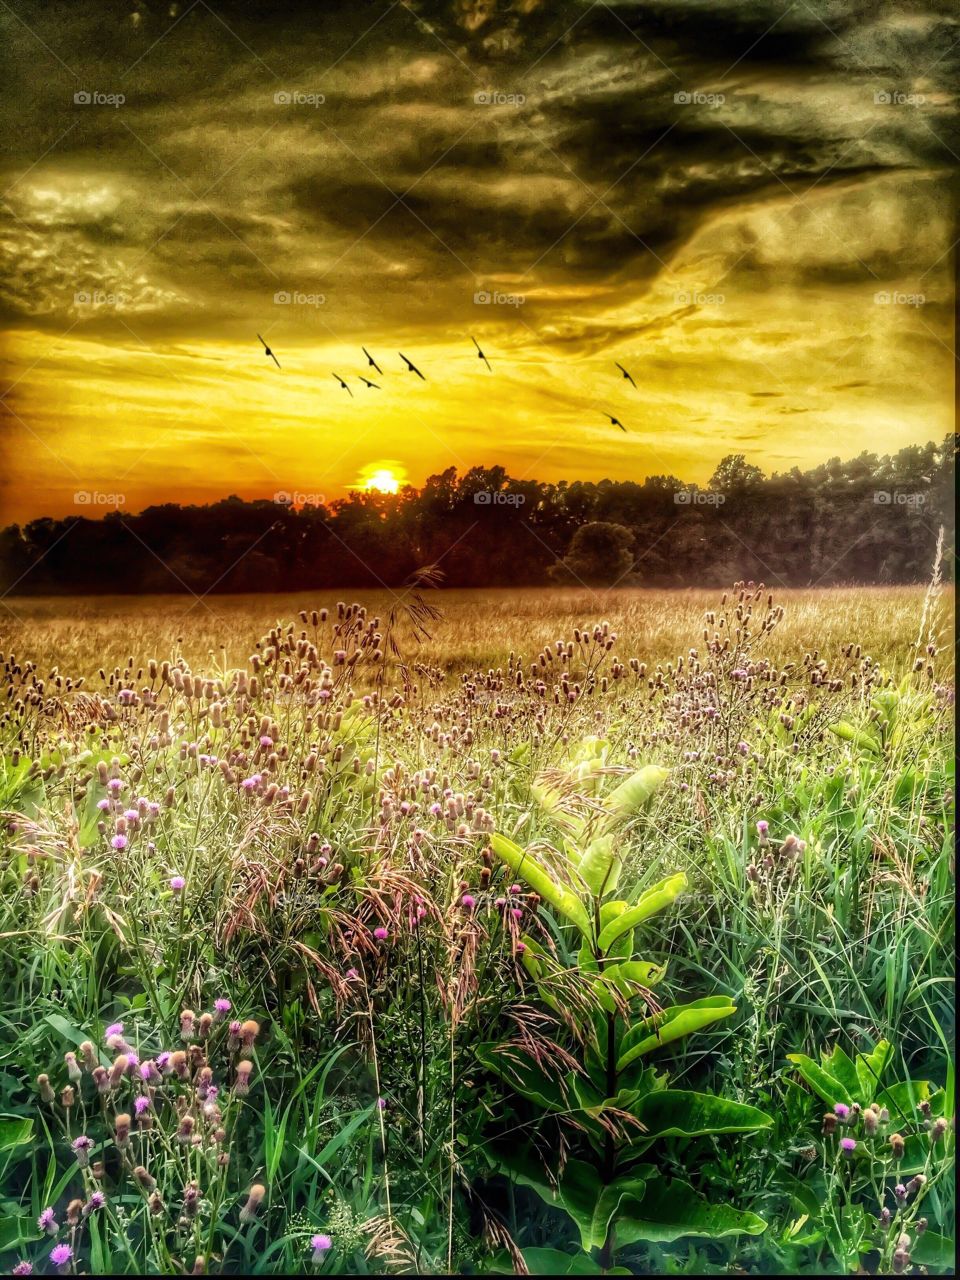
(74, 1210)
(145, 1179)
(118, 1070)
(242, 1085)
(185, 1129)
(938, 1130)
(199, 1265)
(115, 786)
(319, 1245)
(82, 1147)
(97, 1201)
(897, 1145)
(351, 975)
(73, 1067)
(118, 842)
(23, 1268)
(381, 934)
(48, 1223)
(517, 913)
(60, 1255)
(204, 1025)
(885, 1216)
(191, 1199)
(204, 1083)
(468, 901)
(829, 1125)
(848, 1145)
(254, 1197)
(101, 1079)
(114, 1029)
(177, 883)
(156, 1203)
(381, 1104)
(141, 1105)
(67, 1098)
(841, 1111)
(46, 1092)
(221, 1007)
(187, 1024)
(149, 1071)
(916, 1184)
(177, 1063)
(233, 1039)
(89, 1055)
(163, 1060)
(900, 1193)
(249, 1031)
(901, 1260)
(121, 1132)
(920, 1226)
(871, 1122)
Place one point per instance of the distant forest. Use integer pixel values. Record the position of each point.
(870, 520)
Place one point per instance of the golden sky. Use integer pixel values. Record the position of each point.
(744, 204)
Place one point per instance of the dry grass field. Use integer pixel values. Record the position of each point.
(478, 628)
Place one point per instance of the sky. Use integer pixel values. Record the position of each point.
(745, 203)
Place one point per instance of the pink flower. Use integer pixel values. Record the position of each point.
(320, 1244)
(60, 1255)
(119, 842)
(381, 934)
(849, 1145)
(47, 1222)
(177, 883)
(114, 1029)
(468, 901)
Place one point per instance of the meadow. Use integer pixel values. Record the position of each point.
(554, 932)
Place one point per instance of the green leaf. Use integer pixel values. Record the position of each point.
(653, 900)
(540, 880)
(870, 1067)
(931, 1250)
(820, 1081)
(15, 1131)
(634, 792)
(553, 1262)
(681, 1113)
(627, 975)
(671, 1210)
(599, 867)
(523, 1075)
(840, 1067)
(671, 1024)
(859, 737)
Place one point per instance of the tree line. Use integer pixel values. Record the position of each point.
(871, 519)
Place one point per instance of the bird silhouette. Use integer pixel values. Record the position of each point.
(343, 384)
(411, 366)
(368, 383)
(371, 362)
(480, 355)
(268, 352)
(625, 374)
(615, 421)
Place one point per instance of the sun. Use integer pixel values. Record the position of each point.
(383, 476)
(383, 481)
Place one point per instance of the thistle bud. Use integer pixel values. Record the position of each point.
(249, 1031)
(187, 1024)
(897, 1146)
(185, 1129)
(73, 1067)
(145, 1179)
(46, 1092)
(74, 1212)
(254, 1199)
(244, 1072)
(121, 1129)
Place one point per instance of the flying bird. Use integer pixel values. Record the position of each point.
(342, 383)
(480, 355)
(371, 362)
(268, 352)
(367, 383)
(411, 366)
(615, 421)
(625, 374)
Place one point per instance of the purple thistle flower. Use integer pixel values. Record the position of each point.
(97, 1201)
(115, 785)
(60, 1255)
(222, 1005)
(381, 934)
(849, 1145)
(23, 1268)
(114, 1029)
(118, 842)
(177, 883)
(468, 901)
(47, 1222)
(103, 805)
(841, 1111)
(141, 1105)
(351, 975)
(320, 1244)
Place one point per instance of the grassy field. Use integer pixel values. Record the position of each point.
(318, 962)
(79, 635)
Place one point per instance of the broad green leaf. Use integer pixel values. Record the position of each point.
(820, 1081)
(840, 1066)
(599, 867)
(672, 1024)
(653, 900)
(553, 1262)
(859, 737)
(671, 1210)
(15, 1131)
(540, 880)
(523, 1075)
(634, 792)
(870, 1067)
(630, 973)
(931, 1250)
(681, 1113)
